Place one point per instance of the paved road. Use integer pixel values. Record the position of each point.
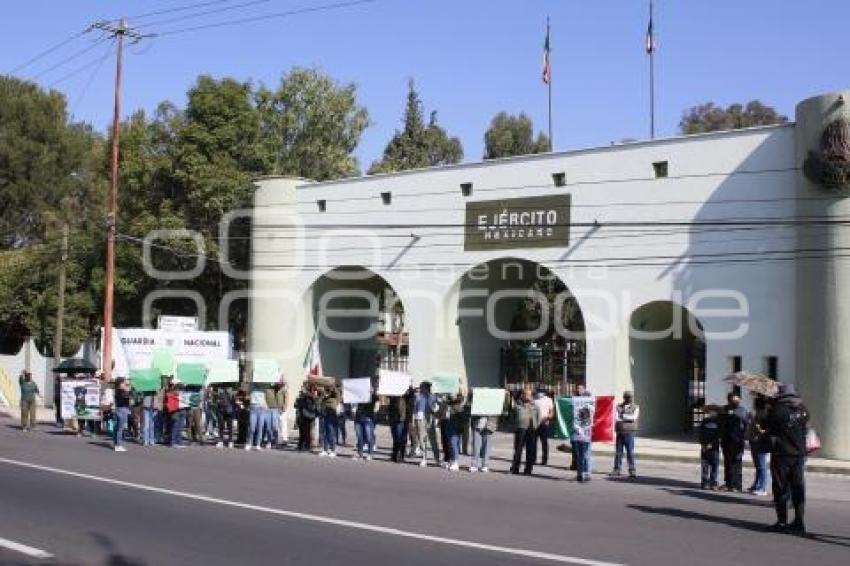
(86, 505)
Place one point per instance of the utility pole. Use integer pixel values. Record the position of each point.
(60, 307)
(650, 50)
(119, 32)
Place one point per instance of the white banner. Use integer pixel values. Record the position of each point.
(80, 399)
(393, 383)
(132, 348)
(356, 391)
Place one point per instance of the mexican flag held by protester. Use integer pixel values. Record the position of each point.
(594, 415)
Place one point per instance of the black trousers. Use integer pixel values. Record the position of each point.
(733, 464)
(305, 433)
(444, 440)
(524, 438)
(789, 483)
(225, 427)
(543, 435)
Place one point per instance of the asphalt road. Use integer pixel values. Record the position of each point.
(86, 505)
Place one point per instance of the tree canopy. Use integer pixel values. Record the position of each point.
(418, 145)
(709, 117)
(510, 135)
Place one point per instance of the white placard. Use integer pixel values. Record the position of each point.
(393, 383)
(223, 371)
(356, 391)
(132, 348)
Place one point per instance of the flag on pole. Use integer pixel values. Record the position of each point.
(650, 36)
(547, 66)
(313, 360)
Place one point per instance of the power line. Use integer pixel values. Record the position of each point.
(99, 62)
(70, 58)
(178, 9)
(206, 13)
(90, 80)
(48, 51)
(251, 19)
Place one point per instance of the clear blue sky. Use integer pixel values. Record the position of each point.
(470, 58)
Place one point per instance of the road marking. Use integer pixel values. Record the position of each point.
(24, 549)
(560, 558)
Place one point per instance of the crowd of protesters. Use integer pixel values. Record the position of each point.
(436, 428)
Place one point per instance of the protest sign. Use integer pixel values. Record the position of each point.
(266, 371)
(145, 380)
(393, 383)
(80, 399)
(191, 374)
(133, 348)
(357, 390)
(223, 371)
(487, 401)
(162, 359)
(443, 383)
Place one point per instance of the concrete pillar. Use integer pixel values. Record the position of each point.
(280, 315)
(823, 284)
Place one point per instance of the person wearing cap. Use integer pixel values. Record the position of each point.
(734, 424)
(626, 426)
(787, 424)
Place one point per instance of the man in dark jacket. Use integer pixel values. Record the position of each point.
(733, 428)
(398, 412)
(787, 423)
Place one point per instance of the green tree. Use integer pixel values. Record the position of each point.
(418, 145)
(311, 125)
(510, 135)
(712, 118)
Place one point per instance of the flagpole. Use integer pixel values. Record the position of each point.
(651, 49)
(551, 140)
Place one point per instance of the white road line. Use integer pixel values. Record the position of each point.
(560, 558)
(24, 549)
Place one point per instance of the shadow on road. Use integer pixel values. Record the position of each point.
(719, 497)
(113, 557)
(736, 523)
(653, 481)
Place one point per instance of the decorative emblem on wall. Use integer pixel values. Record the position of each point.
(830, 167)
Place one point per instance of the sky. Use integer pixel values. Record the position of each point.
(470, 58)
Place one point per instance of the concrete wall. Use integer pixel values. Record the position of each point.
(29, 358)
(747, 175)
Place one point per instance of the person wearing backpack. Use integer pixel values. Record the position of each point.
(787, 424)
(733, 438)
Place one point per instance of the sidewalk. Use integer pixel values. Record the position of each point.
(648, 449)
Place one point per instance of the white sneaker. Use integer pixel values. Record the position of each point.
(230, 445)
(120, 449)
(247, 448)
(423, 464)
(219, 445)
(473, 469)
(258, 447)
(418, 452)
(268, 446)
(331, 454)
(454, 467)
(368, 457)
(322, 454)
(485, 469)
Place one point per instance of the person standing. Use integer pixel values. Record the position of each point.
(307, 410)
(626, 426)
(225, 408)
(759, 446)
(122, 413)
(526, 421)
(580, 389)
(546, 408)
(398, 411)
(482, 442)
(583, 438)
(276, 402)
(425, 423)
(29, 394)
(196, 414)
(330, 405)
(456, 422)
(787, 423)
(151, 401)
(364, 421)
(258, 418)
(733, 428)
(176, 413)
(709, 440)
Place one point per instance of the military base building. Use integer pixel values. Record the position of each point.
(656, 266)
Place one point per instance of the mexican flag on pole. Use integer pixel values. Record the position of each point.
(585, 417)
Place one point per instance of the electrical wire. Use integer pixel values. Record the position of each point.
(206, 13)
(70, 58)
(48, 51)
(95, 62)
(89, 82)
(179, 9)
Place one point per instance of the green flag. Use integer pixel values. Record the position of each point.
(192, 374)
(145, 380)
(575, 417)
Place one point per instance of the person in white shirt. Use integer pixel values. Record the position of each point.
(546, 409)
